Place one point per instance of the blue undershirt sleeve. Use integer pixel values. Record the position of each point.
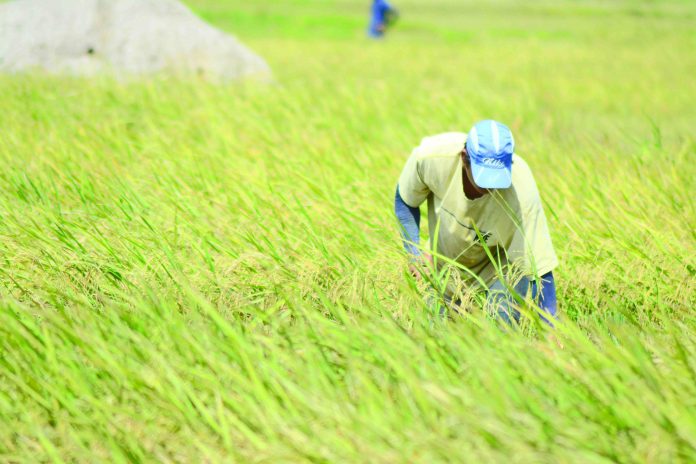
(409, 218)
(546, 295)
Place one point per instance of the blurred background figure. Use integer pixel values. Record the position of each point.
(382, 16)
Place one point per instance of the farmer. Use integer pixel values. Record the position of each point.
(485, 206)
(382, 15)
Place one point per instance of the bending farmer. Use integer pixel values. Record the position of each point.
(382, 15)
(484, 206)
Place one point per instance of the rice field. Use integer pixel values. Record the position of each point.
(196, 272)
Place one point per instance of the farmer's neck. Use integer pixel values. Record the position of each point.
(471, 190)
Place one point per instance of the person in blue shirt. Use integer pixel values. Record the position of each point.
(382, 15)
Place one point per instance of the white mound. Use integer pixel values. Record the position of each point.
(87, 37)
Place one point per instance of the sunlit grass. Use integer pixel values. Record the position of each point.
(194, 272)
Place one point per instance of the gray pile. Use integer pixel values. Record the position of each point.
(124, 37)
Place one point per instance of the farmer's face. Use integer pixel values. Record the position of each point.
(471, 188)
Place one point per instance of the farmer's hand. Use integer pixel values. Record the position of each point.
(555, 340)
(419, 265)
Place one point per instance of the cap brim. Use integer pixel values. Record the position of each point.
(491, 178)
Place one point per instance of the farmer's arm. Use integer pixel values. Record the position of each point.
(531, 246)
(544, 290)
(411, 192)
(409, 219)
(540, 259)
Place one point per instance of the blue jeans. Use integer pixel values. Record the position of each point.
(502, 301)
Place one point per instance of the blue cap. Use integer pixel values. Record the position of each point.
(490, 146)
